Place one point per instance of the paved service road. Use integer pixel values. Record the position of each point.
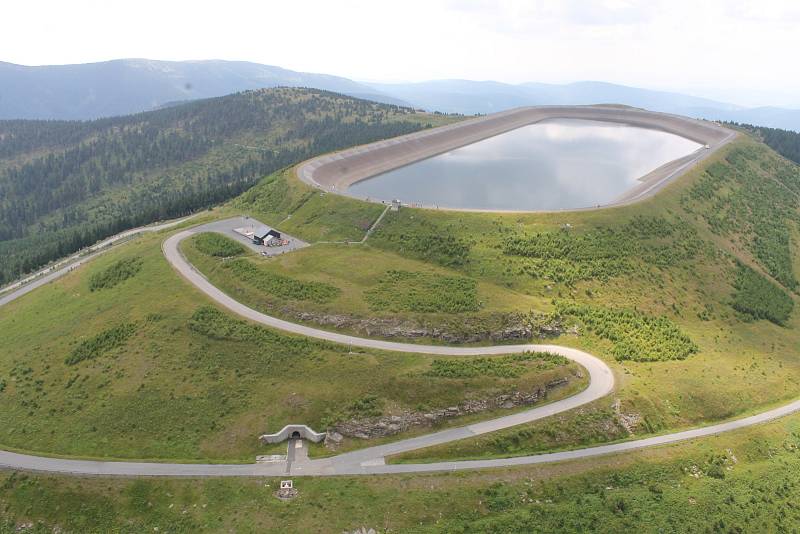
(371, 460)
(48, 274)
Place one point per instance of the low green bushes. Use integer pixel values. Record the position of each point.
(423, 292)
(601, 253)
(101, 343)
(599, 243)
(758, 298)
(511, 366)
(748, 196)
(561, 270)
(635, 336)
(367, 406)
(114, 274)
(587, 427)
(282, 286)
(420, 238)
(212, 244)
(214, 324)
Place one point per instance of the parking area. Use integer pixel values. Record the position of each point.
(244, 229)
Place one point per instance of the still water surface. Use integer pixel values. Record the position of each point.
(554, 164)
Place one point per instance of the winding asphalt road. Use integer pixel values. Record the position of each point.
(370, 460)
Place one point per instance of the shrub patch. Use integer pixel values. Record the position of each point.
(423, 292)
(635, 336)
(758, 298)
(213, 244)
(101, 343)
(115, 274)
(511, 366)
(282, 286)
(422, 239)
(212, 323)
(602, 253)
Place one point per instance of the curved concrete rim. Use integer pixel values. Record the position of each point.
(337, 171)
(372, 460)
(287, 432)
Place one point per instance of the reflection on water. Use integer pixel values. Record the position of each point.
(554, 164)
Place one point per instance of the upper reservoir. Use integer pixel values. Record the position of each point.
(550, 165)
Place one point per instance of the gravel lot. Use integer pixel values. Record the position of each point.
(227, 228)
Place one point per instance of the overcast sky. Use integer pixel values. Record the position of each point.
(735, 50)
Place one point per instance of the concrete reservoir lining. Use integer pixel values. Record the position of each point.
(337, 171)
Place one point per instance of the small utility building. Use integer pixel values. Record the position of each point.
(263, 234)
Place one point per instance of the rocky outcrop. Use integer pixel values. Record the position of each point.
(376, 427)
(628, 421)
(474, 328)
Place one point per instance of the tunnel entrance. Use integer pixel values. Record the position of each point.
(293, 432)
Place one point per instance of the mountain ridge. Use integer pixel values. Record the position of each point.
(126, 86)
(67, 184)
(473, 97)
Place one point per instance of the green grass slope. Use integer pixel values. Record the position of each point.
(689, 295)
(144, 368)
(318, 285)
(746, 481)
(704, 278)
(656, 288)
(725, 342)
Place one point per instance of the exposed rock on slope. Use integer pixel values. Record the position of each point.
(495, 327)
(376, 427)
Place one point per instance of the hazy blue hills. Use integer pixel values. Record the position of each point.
(126, 86)
(469, 97)
(463, 96)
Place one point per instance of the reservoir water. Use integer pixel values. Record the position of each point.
(550, 165)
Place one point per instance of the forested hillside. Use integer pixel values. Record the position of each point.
(784, 142)
(65, 185)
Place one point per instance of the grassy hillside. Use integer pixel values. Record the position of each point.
(124, 359)
(368, 301)
(318, 285)
(689, 299)
(746, 481)
(65, 185)
(715, 255)
(691, 295)
(784, 142)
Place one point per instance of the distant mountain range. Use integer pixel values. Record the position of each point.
(126, 86)
(469, 97)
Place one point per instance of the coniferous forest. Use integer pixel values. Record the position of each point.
(65, 185)
(784, 142)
